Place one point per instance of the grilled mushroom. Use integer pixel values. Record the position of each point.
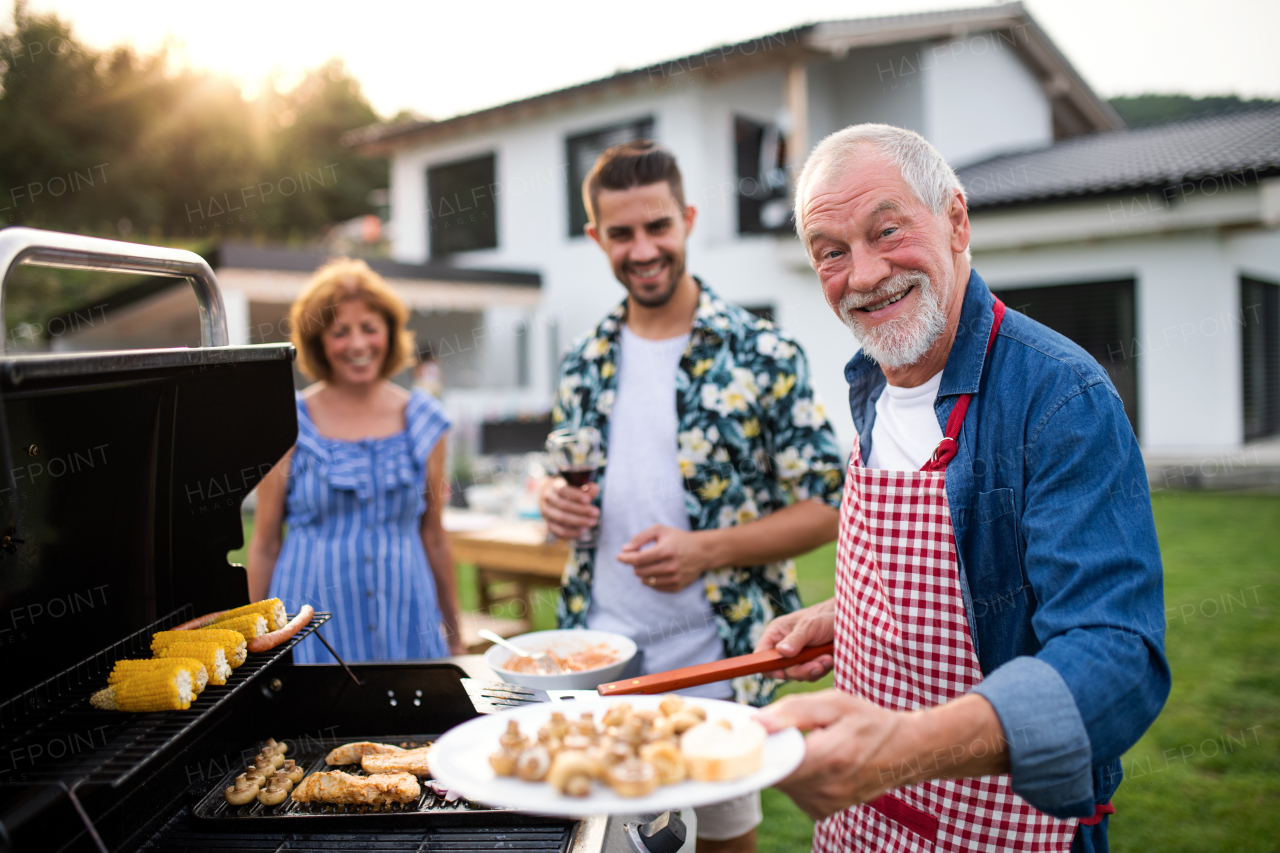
(571, 773)
(685, 720)
(292, 771)
(632, 778)
(272, 796)
(667, 760)
(280, 780)
(533, 764)
(242, 792)
(512, 740)
(503, 762)
(273, 755)
(616, 715)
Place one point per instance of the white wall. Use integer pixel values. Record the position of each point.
(881, 84)
(904, 85)
(1187, 255)
(1188, 320)
(980, 100)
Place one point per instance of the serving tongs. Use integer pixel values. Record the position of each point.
(707, 673)
(542, 660)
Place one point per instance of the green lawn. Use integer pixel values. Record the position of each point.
(1207, 774)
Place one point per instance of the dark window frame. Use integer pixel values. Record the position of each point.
(455, 200)
(577, 167)
(1073, 309)
(1259, 358)
(759, 183)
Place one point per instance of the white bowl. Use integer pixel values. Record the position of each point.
(563, 643)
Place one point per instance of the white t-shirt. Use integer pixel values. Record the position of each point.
(643, 487)
(906, 430)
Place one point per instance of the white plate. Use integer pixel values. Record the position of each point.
(460, 761)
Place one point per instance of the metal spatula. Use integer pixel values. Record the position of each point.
(542, 660)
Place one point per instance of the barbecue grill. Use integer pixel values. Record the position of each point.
(123, 474)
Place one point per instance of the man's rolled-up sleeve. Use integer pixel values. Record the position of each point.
(1050, 758)
(1092, 560)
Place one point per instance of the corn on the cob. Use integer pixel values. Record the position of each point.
(271, 609)
(232, 642)
(250, 625)
(125, 669)
(163, 689)
(212, 655)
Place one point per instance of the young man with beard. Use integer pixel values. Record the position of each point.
(998, 616)
(721, 465)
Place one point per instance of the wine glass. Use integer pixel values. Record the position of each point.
(576, 456)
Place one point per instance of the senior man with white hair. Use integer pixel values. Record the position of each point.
(998, 613)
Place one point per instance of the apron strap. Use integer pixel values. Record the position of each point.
(1099, 812)
(946, 449)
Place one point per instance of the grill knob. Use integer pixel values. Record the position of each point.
(664, 834)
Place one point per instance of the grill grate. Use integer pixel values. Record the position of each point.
(310, 753)
(52, 736)
(179, 837)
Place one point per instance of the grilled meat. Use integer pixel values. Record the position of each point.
(335, 786)
(351, 753)
(410, 761)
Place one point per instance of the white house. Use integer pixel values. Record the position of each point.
(500, 188)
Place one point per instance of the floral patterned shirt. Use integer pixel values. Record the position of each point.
(752, 437)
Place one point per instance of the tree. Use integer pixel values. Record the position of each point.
(117, 142)
(1138, 110)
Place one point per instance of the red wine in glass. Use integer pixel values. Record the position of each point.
(578, 477)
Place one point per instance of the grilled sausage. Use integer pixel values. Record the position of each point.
(275, 638)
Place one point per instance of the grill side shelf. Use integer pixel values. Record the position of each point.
(51, 736)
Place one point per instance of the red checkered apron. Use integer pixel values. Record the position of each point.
(902, 641)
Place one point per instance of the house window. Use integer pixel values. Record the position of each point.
(461, 214)
(583, 150)
(764, 205)
(1099, 317)
(1260, 350)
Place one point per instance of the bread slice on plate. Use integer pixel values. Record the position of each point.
(717, 753)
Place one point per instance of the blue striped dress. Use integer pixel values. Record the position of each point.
(354, 546)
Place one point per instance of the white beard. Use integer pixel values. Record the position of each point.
(903, 340)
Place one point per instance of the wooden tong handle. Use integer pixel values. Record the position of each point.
(706, 673)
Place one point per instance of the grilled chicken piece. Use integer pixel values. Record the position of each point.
(338, 787)
(351, 753)
(410, 761)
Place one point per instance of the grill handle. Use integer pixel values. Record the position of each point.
(77, 252)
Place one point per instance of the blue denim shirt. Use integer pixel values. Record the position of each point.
(1059, 564)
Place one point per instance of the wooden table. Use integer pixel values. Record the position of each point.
(511, 558)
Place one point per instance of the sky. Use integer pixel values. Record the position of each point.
(441, 59)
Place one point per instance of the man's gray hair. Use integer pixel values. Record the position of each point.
(925, 171)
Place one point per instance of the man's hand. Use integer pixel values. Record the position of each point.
(568, 510)
(846, 758)
(812, 626)
(674, 558)
(856, 750)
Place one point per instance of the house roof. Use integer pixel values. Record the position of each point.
(1076, 108)
(248, 256)
(1244, 144)
(276, 274)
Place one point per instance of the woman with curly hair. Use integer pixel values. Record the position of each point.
(361, 492)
